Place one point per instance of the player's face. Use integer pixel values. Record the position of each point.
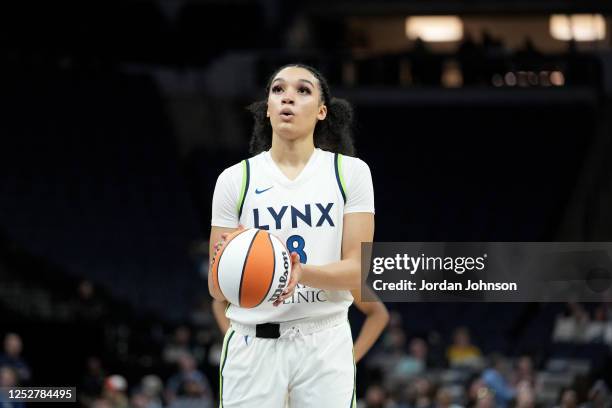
(294, 103)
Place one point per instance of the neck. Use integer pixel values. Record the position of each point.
(292, 152)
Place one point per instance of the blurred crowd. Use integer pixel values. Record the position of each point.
(423, 373)
(402, 371)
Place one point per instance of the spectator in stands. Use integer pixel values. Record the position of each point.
(568, 398)
(8, 378)
(195, 394)
(494, 52)
(180, 345)
(148, 394)
(525, 395)
(415, 363)
(496, 381)
(152, 387)
(139, 400)
(421, 393)
(375, 397)
(188, 385)
(462, 352)
(115, 391)
(395, 320)
(607, 307)
(492, 46)
(393, 351)
(93, 381)
(476, 388)
(470, 57)
(524, 371)
(203, 321)
(444, 399)
(101, 403)
(486, 399)
(426, 66)
(87, 305)
(601, 313)
(13, 347)
(572, 326)
(436, 350)
(202, 315)
(600, 329)
(599, 396)
(528, 50)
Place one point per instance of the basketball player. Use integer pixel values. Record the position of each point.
(303, 186)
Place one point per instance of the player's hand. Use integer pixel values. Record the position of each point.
(219, 244)
(296, 274)
(227, 234)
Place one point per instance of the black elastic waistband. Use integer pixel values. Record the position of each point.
(267, 330)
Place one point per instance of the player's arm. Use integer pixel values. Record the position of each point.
(218, 307)
(224, 217)
(217, 235)
(346, 273)
(377, 318)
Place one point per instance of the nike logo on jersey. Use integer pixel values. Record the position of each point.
(258, 191)
(306, 216)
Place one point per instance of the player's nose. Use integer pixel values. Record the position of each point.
(288, 97)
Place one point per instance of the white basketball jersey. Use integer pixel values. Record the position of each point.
(305, 213)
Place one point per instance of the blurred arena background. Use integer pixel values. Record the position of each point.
(482, 120)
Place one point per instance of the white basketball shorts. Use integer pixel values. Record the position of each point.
(310, 364)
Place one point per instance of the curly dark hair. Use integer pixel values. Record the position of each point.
(333, 134)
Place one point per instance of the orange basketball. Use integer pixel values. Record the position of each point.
(251, 268)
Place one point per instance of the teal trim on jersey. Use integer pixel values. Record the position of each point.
(339, 175)
(354, 397)
(246, 175)
(228, 337)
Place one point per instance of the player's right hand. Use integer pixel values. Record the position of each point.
(296, 274)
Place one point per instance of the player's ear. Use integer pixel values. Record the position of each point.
(322, 112)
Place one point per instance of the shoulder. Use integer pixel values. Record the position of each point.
(232, 171)
(347, 164)
(354, 163)
(353, 169)
(230, 177)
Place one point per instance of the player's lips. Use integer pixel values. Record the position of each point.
(286, 114)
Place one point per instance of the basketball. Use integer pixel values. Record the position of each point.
(252, 267)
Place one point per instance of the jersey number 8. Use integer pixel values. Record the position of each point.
(296, 243)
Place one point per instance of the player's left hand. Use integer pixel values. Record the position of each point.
(296, 274)
(220, 244)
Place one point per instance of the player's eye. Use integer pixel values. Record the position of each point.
(276, 89)
(304, 90)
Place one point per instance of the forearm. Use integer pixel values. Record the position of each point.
(341, 275)
(214, 291)
(217, 236)
(370, 331)
(219, 313)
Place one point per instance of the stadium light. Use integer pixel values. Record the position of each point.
(434, 28)
(578, 27)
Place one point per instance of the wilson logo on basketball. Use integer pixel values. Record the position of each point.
(282, 280)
